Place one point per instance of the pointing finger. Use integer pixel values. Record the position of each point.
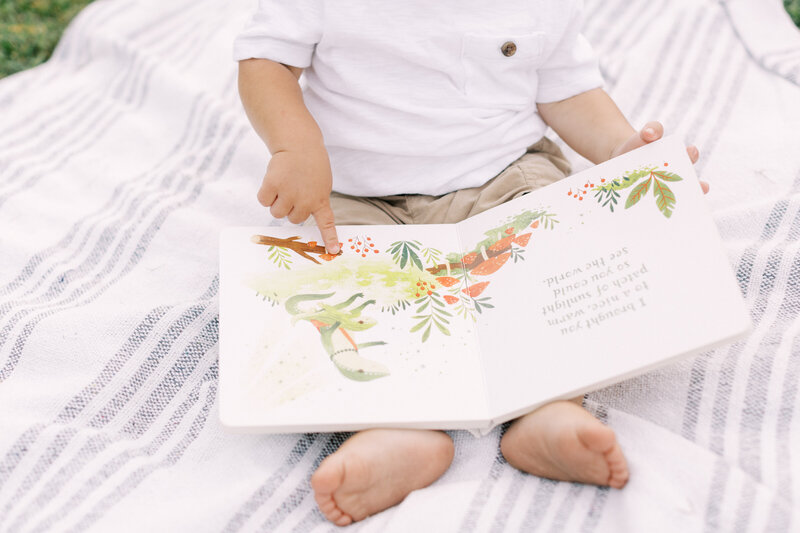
(327, 228)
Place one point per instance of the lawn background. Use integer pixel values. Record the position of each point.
(30, 29)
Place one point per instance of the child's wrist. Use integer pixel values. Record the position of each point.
(305, 144)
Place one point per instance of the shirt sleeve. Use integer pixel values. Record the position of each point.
(572, 66)
(285, 31)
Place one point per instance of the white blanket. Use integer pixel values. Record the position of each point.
(123, 157)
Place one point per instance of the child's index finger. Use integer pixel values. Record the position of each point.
(327, 228)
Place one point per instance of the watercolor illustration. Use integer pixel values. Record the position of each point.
(607, 191)
(335, 324)
(366, 280)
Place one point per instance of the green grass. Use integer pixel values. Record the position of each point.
(793, 7)
(30, 29)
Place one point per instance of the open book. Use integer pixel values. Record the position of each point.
(593, 279)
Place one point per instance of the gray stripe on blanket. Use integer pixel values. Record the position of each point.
(194, 348)
(478, 502)
(128, 87)
(566, 508)
(790, 74)
(226, 160)
(303, 489)
(134, 479)
(185, 195)
(665, 54)
(265, 491)
(716, 494)
(762, 360)
(296, 495)
(709, 143)
(542, 498)
(760, 370)
(74, 408)
(743, 274)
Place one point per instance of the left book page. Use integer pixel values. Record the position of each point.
(312, 342)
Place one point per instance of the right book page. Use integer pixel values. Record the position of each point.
(598, 277)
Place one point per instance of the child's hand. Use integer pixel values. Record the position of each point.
(298, 184)
(651, 132)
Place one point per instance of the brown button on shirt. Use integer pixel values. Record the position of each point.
(508, 48)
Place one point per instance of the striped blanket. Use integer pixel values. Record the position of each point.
(123, 157)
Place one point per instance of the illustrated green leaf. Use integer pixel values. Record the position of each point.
(665, 198)
(442, 329)
(417, 262)
(426, 334)
(279, 256)
(404, 258)
(418, 326)
(667, 176)
(638, 192)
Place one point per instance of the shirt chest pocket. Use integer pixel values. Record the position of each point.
(500, 70)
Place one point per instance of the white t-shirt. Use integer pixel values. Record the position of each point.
(421, 96)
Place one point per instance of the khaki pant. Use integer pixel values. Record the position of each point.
(541, 165)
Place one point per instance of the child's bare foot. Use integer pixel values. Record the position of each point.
(563, 441)
(376, 469)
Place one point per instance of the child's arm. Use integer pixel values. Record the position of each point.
(298, 179)
(592, 124)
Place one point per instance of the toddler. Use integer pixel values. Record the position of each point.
(428, 112)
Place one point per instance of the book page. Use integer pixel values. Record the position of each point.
(314, 342)
(597, 277)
